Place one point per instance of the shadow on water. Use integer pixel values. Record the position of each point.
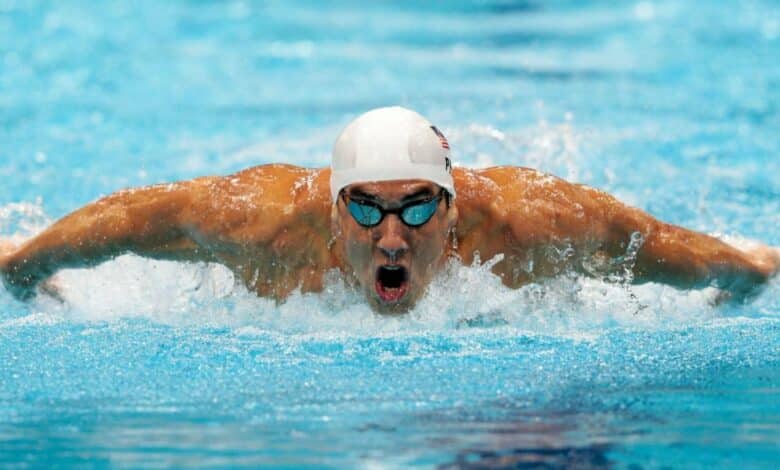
(532, 442)
(101, 434)
(543, 439)
(591, 457)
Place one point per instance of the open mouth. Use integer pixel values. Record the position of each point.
(392, 282)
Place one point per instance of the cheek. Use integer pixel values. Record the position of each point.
(429, 247)
(357, 247)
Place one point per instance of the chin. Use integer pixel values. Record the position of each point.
(385, 308)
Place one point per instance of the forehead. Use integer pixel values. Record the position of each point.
(392, 190)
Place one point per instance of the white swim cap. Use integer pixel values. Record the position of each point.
(390, 144)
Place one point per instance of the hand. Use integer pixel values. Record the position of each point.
(21, 287)
(24, 288)
(767, 261)
(6, 247)
(766, 258)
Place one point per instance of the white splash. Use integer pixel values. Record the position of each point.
(461, 298)
(555, 148)
(21, 220)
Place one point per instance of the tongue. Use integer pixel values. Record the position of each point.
(390, 294)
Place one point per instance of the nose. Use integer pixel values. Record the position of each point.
(390, 239)
(393, 254)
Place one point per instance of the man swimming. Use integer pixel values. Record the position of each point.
(388, 214)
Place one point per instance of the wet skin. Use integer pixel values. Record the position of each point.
(277, 229)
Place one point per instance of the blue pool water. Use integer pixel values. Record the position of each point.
(672, 106)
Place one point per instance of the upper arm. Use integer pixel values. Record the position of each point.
(533, 209)
(543, 225)
(538, 223)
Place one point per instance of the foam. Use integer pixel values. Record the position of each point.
(461, 298)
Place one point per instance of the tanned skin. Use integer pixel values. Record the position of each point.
(277, 229)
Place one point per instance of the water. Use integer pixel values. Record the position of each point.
(672, 106)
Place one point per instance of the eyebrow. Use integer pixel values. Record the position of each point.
(425, 192)
(358, 194)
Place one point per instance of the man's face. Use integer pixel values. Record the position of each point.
(392, 261)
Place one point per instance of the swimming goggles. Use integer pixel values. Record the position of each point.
(413, 214)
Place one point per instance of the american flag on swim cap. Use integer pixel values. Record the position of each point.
(442, 139)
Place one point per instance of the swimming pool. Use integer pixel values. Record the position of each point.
(672, 106)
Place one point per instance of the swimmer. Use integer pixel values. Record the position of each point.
(388, 214)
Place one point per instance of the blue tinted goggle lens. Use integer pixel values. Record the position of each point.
(414, 214)
(364, 214)
(417, 214)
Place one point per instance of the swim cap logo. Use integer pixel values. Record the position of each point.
(446, 146)
(442, 139)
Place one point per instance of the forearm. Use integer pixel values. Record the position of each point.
(687, 259)
(684, 258)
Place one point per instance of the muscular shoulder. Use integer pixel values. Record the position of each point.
(505, 190)
(263, 199)
(275, 183)
(526, 204)
(519, 183)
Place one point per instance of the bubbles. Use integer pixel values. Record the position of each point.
(22, 220)
(558, 148)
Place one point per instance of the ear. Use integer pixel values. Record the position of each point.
(452, 215)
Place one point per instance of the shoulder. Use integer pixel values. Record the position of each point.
(268, 185)
(525, 202)
(514, 182)
(526, 185)
(505, 190)
(263, 199)
(275, 181)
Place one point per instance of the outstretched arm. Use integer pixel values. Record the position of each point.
(269, 224)
(546, 211)
(684, 258)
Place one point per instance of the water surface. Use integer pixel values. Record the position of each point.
(672, 106)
